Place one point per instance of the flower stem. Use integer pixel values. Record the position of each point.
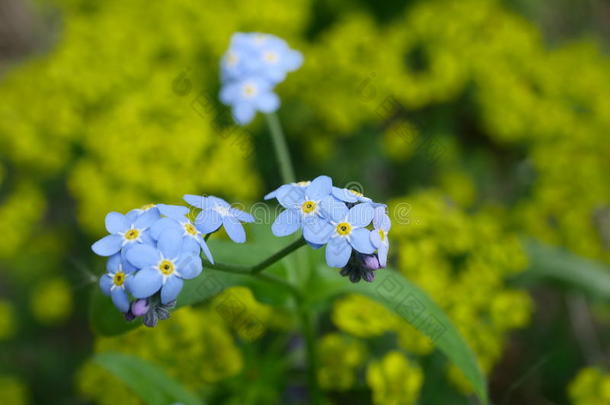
(281, 149)
(308, 327)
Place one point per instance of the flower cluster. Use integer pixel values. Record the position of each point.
(339, 218)
(250, 69)
(152, 250)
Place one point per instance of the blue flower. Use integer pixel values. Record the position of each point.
(175, 217)
(303, 210)
(286, 189)
(251, 67)
(349, 196)
(379, 235)
(262, 55)
(216, 212)
(346, 230)
(114, 283)
(125, 230)
(247, 96)
(162, 268)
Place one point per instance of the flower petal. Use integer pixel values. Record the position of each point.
(361, 215)
(114, 263)
(344, 194)
(268, 102)
(177, 212)
(234, 229)
(381, 219)
(170, 243)
(205, 248)
(382, 253)
(116, 222)
(146, 219)
(108, 245)
(196, 201)
(334, 210)
(360, 239)
(171, 289)
(290, 196)
(375, 238)
(241, 215)
(243, 113)
(319, 188)
(142, 256)
(286, 223)
(163, 225)
(189, 266)
(317, 230)
(106, 283)
(208, 221)
(338, 252)
(120, 299)
(145, 283)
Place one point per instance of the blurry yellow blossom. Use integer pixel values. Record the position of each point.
(339, 357)
(96, 384)
(591, 386)
(51, 301)
(12, 391)
(362, 317)
(8, 321)
(394, 380)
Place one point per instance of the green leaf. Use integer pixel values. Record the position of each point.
(412, 304)
(552, 263)
(146, 380)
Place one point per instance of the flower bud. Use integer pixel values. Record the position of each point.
(140, 307)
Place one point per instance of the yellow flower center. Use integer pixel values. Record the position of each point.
(249, 90)
(147, 207)
(382, 234)
(118, 279)
(132, 234)
(356, 193)
(303, 183)
(270, 57)
(308, 207)
(344, 228)
(190, 229)
(166, 267)
(232, 59)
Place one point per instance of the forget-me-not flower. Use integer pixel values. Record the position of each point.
(125, 230)
(114, 283)
(162, 268)
(303, 210)
(247, 96)
(175, 217)
(216, 212)
(346, 230)
(251, 67)
(349, 195)
(283, 189)
(379, 235)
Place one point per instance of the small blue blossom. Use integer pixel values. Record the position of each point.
(286, 189)
(303, 210)
(125, 230)
(115, 281)
(247, 96)
(251, 67)
(216, 212)
(162, 268)
(346, 231)
(379, 234)
(348, 195)
(175, 217)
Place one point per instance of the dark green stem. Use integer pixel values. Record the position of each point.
(309, 334)
(281, 149)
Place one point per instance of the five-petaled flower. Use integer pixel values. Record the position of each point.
(114, 282)
(163, 267)
(125, 230)
(216, 212)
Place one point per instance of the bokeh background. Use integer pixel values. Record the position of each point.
(486, 121)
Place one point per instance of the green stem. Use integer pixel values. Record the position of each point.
(308, 327)
(281, 149)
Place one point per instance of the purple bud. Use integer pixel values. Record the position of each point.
(140, 307)
(371, 262)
